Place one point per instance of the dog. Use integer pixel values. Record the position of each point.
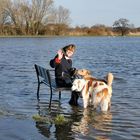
(95, 92)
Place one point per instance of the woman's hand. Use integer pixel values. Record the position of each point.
(60, 54)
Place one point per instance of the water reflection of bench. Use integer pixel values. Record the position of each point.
(47, 77)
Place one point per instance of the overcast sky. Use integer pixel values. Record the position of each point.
(91, 12)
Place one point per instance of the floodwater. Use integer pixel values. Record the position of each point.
(18, 85)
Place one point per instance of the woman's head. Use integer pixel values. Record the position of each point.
(69, 50)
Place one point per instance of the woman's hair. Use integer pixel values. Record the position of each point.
(70, 47)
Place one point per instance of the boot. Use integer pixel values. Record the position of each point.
(74, 98)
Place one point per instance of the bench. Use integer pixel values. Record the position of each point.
(47, 77)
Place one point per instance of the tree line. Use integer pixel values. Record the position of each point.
(24, 17)
(41, 17)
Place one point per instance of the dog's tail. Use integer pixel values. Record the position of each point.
(110, 78)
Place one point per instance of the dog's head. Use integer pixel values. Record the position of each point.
(83, 72)
(78, 85)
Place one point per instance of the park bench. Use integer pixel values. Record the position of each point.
(47, 77)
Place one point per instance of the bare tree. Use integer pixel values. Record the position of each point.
(21, 13)
(60, 15)
(30, 17)
(122, 26)
(26, 13)
(3, 15)
(40, 11)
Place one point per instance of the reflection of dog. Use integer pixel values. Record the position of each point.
(98, 91)
(101, 122)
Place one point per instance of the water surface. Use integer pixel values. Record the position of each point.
(18, 85)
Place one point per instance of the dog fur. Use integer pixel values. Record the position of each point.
(97, 91)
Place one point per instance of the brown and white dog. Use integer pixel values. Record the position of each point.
(97, 91)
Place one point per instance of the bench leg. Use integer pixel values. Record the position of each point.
(59, 95)
(38, 90)
(50, 98)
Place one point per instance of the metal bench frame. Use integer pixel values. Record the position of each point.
(46, 76)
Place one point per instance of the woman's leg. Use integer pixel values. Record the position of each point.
(74, 94)
(74, 98)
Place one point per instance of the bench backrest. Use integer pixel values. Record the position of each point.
(46, 74)
(42, 72)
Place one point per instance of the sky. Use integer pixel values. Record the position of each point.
(91, 12)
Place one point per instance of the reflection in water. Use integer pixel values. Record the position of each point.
(44, 129)
(56, 131)
(82, 123)
(103, 122)
(95, 123)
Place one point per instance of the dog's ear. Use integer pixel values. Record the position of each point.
(88, 72)
(76, 71)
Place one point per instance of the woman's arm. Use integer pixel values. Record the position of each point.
(57, 59)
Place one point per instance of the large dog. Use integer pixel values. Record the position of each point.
(98, 92)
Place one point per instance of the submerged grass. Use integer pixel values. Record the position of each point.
(58, 120)
(39, 118)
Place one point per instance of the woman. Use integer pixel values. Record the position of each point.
(64, 72)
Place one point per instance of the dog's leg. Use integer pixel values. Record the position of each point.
(95, 101)
(109, 105)
(85, 95)
(85, 100)
(95, 106)
(104, 105)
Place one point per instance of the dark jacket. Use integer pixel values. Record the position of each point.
(63, 70)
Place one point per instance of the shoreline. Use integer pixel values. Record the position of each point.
(47, 36)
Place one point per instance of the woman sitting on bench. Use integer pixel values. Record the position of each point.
(64, 72)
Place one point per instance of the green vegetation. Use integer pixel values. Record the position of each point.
(39, 118)
(58, 120)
